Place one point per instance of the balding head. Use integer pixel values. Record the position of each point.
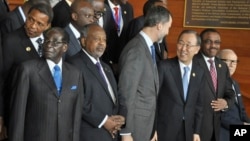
(230, 58)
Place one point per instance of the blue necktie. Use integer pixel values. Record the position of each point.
(185, 82)
(153, 53)
(57, 78)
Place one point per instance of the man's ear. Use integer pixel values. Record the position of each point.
(83, 41)
(159, 26)
(74, 16)
(65, 47)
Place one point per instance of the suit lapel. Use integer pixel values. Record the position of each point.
(176, 73)
(65, 76)
(46, 75)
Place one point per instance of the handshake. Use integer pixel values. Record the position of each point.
(114, 124)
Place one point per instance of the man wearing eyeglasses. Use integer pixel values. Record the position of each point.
(21, 45)
(82, 13)
(217, 91)
(48, 95)
(236, 114)
(180, 100)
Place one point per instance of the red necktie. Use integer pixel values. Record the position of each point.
(116, 15)
(213, 73)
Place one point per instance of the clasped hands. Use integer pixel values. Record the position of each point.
(114, 124)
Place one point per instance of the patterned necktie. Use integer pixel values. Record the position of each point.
(152, 47)
(117, 17)
(185, 81)
(57, 78)
(40, 51)
(213, 73)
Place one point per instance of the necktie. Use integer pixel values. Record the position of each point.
(40, 52)
(185, 81)
(117, 17)
(153, 53)
(213, 73)
(99, 67)
(57, 78)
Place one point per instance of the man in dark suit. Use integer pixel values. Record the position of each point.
(82, 13)
(20, 45)
(236, 114)
(217, 91)
(138, 80)
(45, 109)
(180, 103)
(62, 13)
(16, 18)
(116, 34)
(104, 109)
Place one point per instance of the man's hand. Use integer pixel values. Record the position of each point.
(219, 104)
(196, 137)
(113, 124)
(155, 138)
(127, 138)
(3, 130)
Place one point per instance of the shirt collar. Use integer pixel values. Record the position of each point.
(75, 31)
(91, 57)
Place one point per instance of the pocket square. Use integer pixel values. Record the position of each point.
(73, 87)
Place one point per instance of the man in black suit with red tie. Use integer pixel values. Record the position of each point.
(47, 95)
(218, 93)
(104, 109)
(116, 34)
(20, 45)
(236, 115)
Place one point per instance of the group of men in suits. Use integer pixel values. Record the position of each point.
(148, 97)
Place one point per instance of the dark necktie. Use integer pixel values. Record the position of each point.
(152, 47)
(185, 82)
(213, 73)
(40, 49)
(57, 78)
(99, 67)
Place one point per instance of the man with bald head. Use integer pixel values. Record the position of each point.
(82, 13)
(236, 114)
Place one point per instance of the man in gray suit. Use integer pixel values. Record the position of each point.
(47, 96)
(138, 80)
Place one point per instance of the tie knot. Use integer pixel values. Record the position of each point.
(186, 69)
(39, 41)
(116, 9)
(211, 61)
(56, 68)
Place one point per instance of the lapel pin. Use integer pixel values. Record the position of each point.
(193, 74)
(219, 65)
(125, 12)
(28, 49)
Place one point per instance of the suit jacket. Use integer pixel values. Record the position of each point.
(139, 84)
(74, 43)
(235, 115)
(38, 113)
(17, 48)
(1, 80)
(11, 22)
(211, 119)
(62, 14)
(4, 9)
(172, 108)
(116, 43)
(98, 102)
